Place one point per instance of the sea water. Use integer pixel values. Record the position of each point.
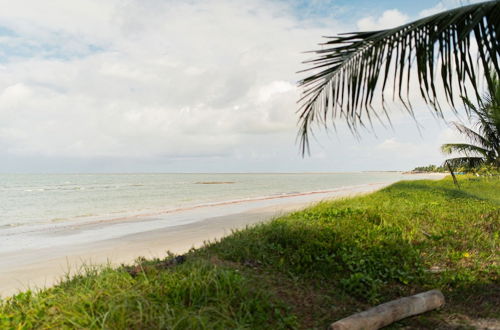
(43, 199)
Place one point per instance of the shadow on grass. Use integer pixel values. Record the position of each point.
(477, 300)
(359, 265)
(470, 307)
(350, 254)
(452, 192)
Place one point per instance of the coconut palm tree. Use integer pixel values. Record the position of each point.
(352, 68)
(484, 137)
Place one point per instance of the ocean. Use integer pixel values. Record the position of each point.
(38, 199)
(61, 210)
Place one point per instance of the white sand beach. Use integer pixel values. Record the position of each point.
(43, 258)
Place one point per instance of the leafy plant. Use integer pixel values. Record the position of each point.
(484, 137)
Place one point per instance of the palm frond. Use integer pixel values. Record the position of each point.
(467, 162)
(347, 72)
(471, 135)
(467, 149)
(487, 116)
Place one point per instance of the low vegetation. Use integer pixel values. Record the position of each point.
(303, 270)
(429, 169)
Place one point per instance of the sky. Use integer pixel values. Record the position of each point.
(188, 86)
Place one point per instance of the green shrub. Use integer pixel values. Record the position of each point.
(195, 295)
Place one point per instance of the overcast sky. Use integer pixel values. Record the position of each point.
(187, 86)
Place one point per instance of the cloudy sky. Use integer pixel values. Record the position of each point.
(187, 86)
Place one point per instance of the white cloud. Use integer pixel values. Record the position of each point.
(407, 149)
(388, 19)
(274, 88)
(445, 5)
(434, 10)
(168, 78)
(450, 135)
(133, 80)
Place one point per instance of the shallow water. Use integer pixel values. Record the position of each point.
(37, 199)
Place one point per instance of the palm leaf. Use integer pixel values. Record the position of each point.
(467, 149)
(471, 135)
(486, 137)
(468, 162)
(487, 117)
(347, 72)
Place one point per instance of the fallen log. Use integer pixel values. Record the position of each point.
(392, 311)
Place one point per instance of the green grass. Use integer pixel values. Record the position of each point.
(303, 270)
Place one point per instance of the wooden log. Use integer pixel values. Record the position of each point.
(392, 311)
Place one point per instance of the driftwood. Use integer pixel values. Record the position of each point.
(392, 311)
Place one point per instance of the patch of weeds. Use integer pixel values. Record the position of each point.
(362, 286)
(194, 295)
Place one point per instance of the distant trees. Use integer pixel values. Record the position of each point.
(429, 168)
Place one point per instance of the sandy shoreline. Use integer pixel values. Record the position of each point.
(68, 248)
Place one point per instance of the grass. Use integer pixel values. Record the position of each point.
(303, 270)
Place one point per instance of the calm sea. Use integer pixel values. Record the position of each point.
(37, 199)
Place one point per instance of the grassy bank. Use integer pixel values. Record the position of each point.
(303, 270)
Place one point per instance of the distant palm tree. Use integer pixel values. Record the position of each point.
(348, 69)
(484, 138)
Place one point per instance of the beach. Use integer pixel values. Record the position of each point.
(44, 257)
